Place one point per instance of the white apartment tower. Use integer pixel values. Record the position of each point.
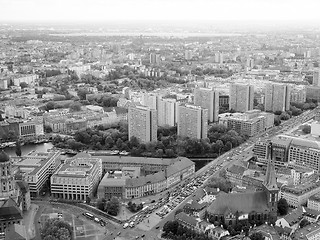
(209, 99)
(142, 123)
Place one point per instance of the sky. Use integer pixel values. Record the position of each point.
(114, 10)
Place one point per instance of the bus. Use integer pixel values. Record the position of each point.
(88, 215)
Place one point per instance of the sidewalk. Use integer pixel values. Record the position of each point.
(28, 219)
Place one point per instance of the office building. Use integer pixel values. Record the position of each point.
(250, 123)
(241, 97)
(209, 99)
(305, 153)
(167, 112)
(297, 195)
(142, 123)
(192, 121)
(36, 168)
(77, 178)
(277, 97)
(280, 150)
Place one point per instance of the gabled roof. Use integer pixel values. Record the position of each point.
(194, 205)
(186, 219)
(241, 202)
(294, 217)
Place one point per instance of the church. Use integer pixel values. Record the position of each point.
(260, 206)
(14, 195)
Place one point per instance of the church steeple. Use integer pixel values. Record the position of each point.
(270, 185)
(270, 181)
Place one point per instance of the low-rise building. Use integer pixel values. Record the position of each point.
(157, 180)
(308, 232)
(297, 195)
(36, 168)
(251, 122)
(77, 178)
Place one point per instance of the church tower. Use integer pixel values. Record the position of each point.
(7, 182)
(270, 185)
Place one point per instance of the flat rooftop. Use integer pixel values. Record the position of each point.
(34, 161)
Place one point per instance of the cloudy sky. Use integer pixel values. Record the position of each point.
(98, 10)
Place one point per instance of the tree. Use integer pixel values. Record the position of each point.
(306, 129)
(283, 206)
(75, 107)
(257, 236)
(304, 222)
(18, 148)
(101, 203)
(47, 129)
(49, 106)
(277, 121)
(113, 206)
(24, 85)
(56, 229)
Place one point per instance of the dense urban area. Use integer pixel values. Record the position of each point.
(159, 136)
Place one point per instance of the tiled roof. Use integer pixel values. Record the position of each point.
(294, 217)
(186, 219)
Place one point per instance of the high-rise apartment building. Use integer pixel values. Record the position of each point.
(154, 58)
(188, 54)
(142, 122)
(241, 97)
(192, 121)
(209, 99)
(316, 77)
(277, 97)
(167, 112)
(150, 100)
(218, 57)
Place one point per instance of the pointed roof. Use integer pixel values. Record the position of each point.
(270, 181)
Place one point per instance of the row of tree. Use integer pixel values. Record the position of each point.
(134, 207)
(220, 139)
(175, 231)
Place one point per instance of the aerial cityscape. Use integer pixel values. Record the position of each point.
(157, 119)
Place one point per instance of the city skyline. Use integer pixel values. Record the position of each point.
(98, 10)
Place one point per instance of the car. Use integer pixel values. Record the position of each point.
(143, 235)
(157, 227)
(153, 201)
(118, 233)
